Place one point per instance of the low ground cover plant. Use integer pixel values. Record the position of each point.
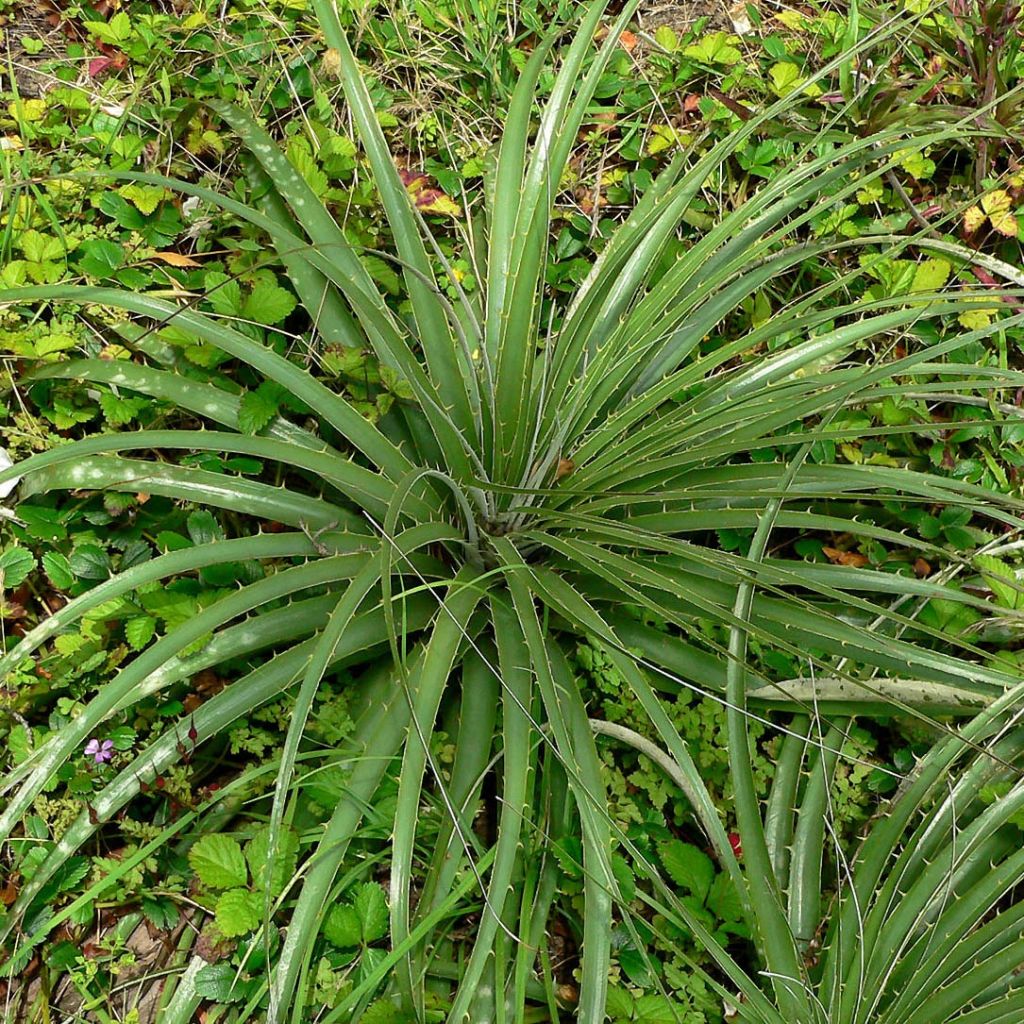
(443, 540)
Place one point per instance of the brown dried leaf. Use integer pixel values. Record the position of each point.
(850, 558)
(176, 259)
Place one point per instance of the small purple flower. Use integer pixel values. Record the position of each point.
(100, 751)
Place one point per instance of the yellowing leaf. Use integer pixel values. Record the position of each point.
(666, 38)
(872, 192)
(916, 164)
(975, 319)
(996, 202)
(27, 110)
(1006, 224)
(930, 276)
(793, 20)
(785, 76)
(973, 219)
(664, 137)
(13, 273)
(145, 198)
(997, 206)
(849, 558)
(433, 200)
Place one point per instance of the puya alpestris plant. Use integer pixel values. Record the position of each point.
(549, 476)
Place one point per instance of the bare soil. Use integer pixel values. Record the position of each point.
(32, 21)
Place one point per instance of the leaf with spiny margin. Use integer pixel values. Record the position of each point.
(218, 862)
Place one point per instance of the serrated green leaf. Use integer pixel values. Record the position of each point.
(123, 737)
(58, 570)
(90, 562)
(257, 855)
(372, 908)
(118, 410)
(14, 273)
(687, 866)
(203, 527)
(383, 1011)
(139, 631)
(15, 565)
(220, 984)
(383, 273)
(714, 48)
(238, 911)
(40, 248)
(655, 1009)
(1002, 580)
(161, 913)
(145, 198)
(173, 607)
(268, 304)
(931, 275)
(218, 862)
(100, 257)
(223, 293)
(300, 155)
(723, 900)
(620, 1005)
(258, 408)
(342, 927)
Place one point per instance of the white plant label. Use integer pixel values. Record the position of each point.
(5, 463)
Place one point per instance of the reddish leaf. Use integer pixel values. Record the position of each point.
(414, 181)
(100, 66)
(433, 200)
